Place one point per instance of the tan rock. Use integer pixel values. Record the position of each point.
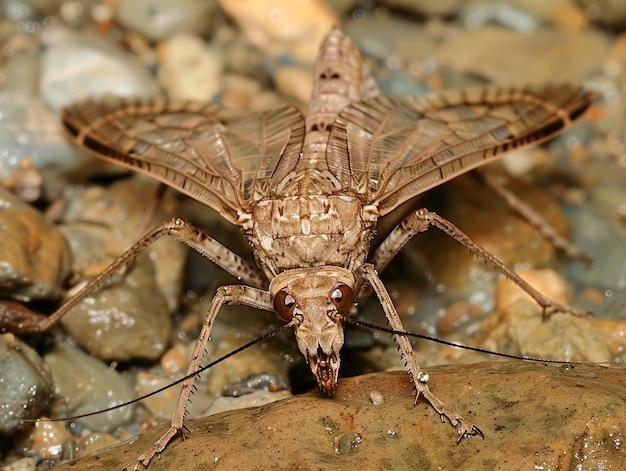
(35, 257)
(524, 58)
(520, 329)
(546, 281)
(296, 82)
(188, 69)
(532, 415)
(283, 26)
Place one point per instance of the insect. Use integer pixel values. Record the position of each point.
(308, 190)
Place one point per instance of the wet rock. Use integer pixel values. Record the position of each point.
(269, 358)
(84, 384)
(294, 82)
(25, 384)
(241, 92)
(78, 67)
(127, 320)
(520, 329)
(556, 429)
(524, 58)
(175, 360)
(160, 19)
(115, 215)
(162, 405)
(614, 306)
(25, 464)
(490, 223)
(595, 236)
(456, 315)
(187, 69)
(46, 439)
(130, 316)
(515, 17)
(547, 282)
(31, 135)
(271, 382)
(392, 40)
(22, 72)
(94, 442)
(35, 257)
(254, 399)
(280, 27)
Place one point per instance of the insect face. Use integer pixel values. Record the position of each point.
(314, 299)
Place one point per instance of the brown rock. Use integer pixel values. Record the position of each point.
(524, 57)
(35, 257)
(283, 26)
(520, 329)
(490, 223)
(565, 417)
(546, 281)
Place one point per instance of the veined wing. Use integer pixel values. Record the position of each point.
(399, 147)
(222, 158)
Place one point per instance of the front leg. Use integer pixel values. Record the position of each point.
(235, 294)
(422, 219)
(419, 376)
(26, 323)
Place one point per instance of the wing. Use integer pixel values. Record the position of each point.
(224, 159)
(399, 147)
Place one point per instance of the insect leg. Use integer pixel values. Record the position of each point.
(535, 219)
(422, 219)
(464, 428)
(186, 233)
(233, 294)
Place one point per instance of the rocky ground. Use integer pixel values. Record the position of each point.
(66, 216)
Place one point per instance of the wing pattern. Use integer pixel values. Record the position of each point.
(389, 149)
(399, 147)
(225, 159)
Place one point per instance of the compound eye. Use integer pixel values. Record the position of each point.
(284, 304)
(342, 297)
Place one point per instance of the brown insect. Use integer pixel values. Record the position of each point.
(308, 191)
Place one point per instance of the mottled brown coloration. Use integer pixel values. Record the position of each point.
(308, 190)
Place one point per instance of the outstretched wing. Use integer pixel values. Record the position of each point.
(398, 147)
(224, 159)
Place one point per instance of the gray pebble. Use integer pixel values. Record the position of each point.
(349, 443)
(255, 399)
(28, 129)
(84, 384)
(124, 321)
(160, 19)
(25, 384)
(94, 442)
(509, 16)
(517, 60)
(76, 67)
(594, 236)
(25, 464)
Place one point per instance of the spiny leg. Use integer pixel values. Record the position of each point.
(464, 428)
(185, 232)
(422, 219)
(234, 294)
(490, 179)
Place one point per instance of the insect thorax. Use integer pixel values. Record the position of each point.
(309, 231)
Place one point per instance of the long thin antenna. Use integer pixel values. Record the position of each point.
(180, 380)
(369, 325)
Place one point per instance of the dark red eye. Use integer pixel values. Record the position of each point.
(342, 297)
(284, 304)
